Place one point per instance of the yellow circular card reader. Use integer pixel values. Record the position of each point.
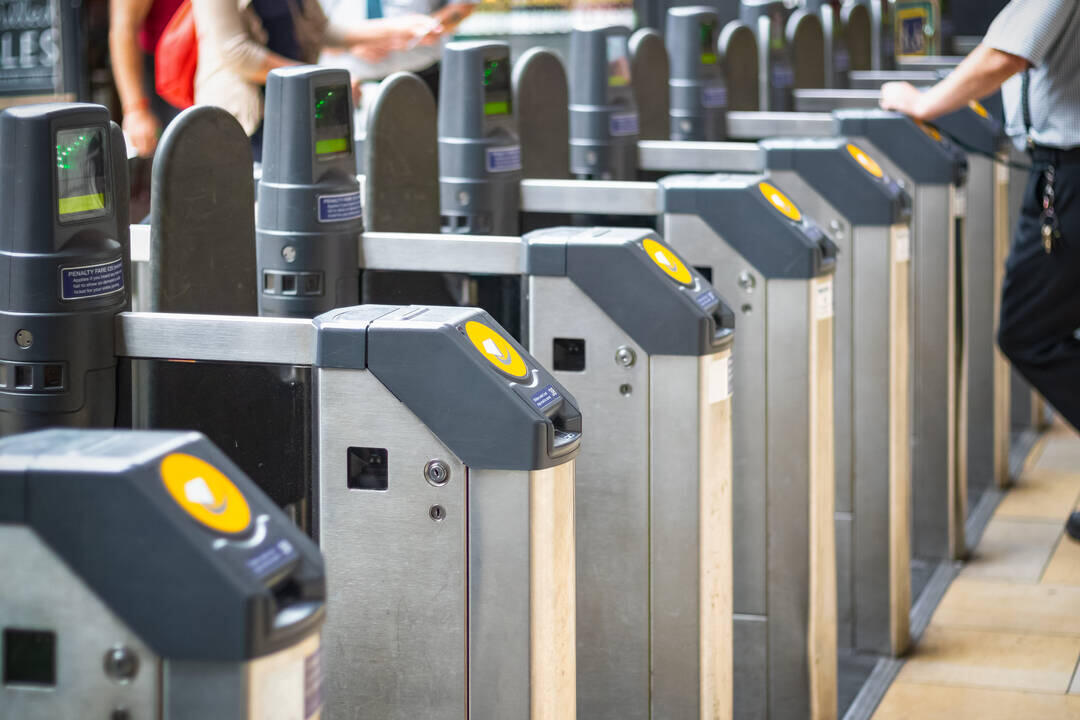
(668, 261)
(979, 109)
(867, 162)
(205, 493)
(496, 349)
(780, 201)
(930, 130)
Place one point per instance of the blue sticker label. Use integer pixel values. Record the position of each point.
(313, 683)
(91, 281)
(271, 559)
(504, 159)
(545, 397)
(842, 60)
(337, 208)
(706, 299)
(624, 124)
(783, 76)
(714, 97)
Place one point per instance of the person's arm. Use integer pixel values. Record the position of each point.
(125, 19)
(1020, 37)
(395, 33)
(222, 26)
(981, 73)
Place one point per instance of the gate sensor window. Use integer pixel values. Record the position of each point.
(81, 184)
(618, 57)
(497, 86)
(708, 43)
(369, 468)
(568, 354)
(29, 657)
(332, 120)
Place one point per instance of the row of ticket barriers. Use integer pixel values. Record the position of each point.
(594, 497)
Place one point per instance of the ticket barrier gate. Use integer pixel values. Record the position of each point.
(869, 215)
(934, 172)
(883, 33)
(494, 602)
(791, 51)
(150, 578)
(644, 343)
(846, 31)
(784, 542)
(986, 246)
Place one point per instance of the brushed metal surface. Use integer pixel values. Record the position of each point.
(834, 99)
(222, 338)
(934, 382)
(612, 500)
(757, 125)
(700, 247)
(670, 156)
(675, 550)
(590, 197)
(42, 593)
(396, 630)
(476, 254)
(498, 601)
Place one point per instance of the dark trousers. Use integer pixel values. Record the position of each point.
(1040, 303)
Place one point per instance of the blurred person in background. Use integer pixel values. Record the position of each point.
(241, 42)
(420, 58)
(134, 29)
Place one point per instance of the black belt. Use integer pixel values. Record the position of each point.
(1055, 156)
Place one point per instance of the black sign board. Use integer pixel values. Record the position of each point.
(38, 47)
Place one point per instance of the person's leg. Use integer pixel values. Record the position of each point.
(1040, 306)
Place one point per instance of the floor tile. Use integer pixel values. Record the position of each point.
(911, 701)
(1005, 661)
(1060, 452)
(1011, 607)
(1064, 565)
(1042, 493)
(1013, 550)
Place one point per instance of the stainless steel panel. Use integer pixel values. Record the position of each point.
(842, 233)
(499, 583)
(700, 247)
(757, 125)
(140, 243)
(845, 590)
(934, 384)
(42, 593)
(813, 101)
(980, 322)
(396, 633)
(752, 668)
(669, 156)
(880, 449)
(477, 254)
(612, 500)
(789, 471)
(675, 550)
(590, 196)
(221, 338)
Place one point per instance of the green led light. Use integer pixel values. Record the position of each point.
(498, 107)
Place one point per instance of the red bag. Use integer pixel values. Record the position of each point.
(176, 57)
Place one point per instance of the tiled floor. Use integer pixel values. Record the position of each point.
(1004, 644)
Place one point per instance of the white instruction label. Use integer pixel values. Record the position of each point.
(960, 201)
(823, 299)
(721, 377)
(902, 244)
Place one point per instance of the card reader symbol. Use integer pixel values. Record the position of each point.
(493, 350)
(197, 491)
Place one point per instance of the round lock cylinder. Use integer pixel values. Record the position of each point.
(698, 95)
(63, 250)
(479, 150)
(308, 212)
(603, 114)
(152, 579)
